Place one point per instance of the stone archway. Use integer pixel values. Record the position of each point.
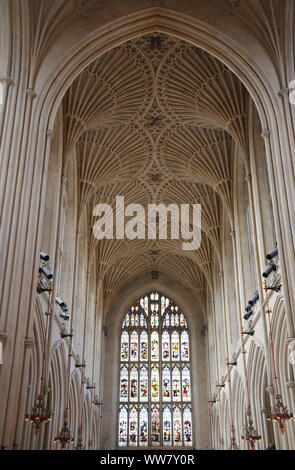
(31, 147)
(113, 321)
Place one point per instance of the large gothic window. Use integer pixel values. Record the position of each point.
(155, 375)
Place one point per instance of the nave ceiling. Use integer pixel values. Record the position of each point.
(156, 120)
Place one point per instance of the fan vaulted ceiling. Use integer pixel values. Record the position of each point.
(156, 120)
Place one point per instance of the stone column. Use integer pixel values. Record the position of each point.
(282, 180)
(23, 183)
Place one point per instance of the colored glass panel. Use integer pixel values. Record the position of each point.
(133, 384)
(133, 426)
(187, 426)
(143, 427)
(155, 346)
(166, 386)
(165, 346)
(134, 346)
(124, 346)
(124, 384)
(123, 420)
(144, 346)
(155, 382)
(167, 426)
(175, 346)
(177, 426)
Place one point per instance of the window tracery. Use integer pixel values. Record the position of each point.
(155, 375)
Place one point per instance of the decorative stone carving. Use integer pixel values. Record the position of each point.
(30, 93)
(6, 80)
(265, 134)
(29, 343)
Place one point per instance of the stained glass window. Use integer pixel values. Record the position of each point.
(143, 426)
(123, 419)
(155, 375)
(133, 419)
(124, 384)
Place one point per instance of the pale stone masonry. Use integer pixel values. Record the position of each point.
(160, 102)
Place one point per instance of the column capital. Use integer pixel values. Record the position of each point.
(29, 343)
(6, 79)
(270, 389)
(3, 336)
(31, 93)
(290, 341)
(290, 383)
(249, 177)
(283, 91)
(50, 134)
(265, 134)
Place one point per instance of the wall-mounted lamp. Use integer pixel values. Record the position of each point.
(45, 271)
(65, 335)
(79, 365)
(61, 304)
(64, 317)
(272, 254)
(248, 314)
(41, 289)
(269, 269)
(274, 288)
(254, 300)
(250, 333)
(44, 256)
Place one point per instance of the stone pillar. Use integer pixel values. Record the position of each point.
(23, 183)
(282, 179)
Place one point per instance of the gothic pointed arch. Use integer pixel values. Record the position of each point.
(155, 375)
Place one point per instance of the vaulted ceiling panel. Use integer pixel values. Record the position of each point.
(156, 120)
